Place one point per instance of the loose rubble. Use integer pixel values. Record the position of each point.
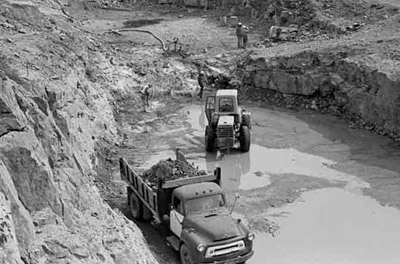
(169, 169)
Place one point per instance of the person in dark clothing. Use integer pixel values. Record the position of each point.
(245, 39)
(241, 34)
(202, 82)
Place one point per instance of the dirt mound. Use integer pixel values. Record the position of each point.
(170, 170)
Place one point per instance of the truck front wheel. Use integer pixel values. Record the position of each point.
(136, 206)
(185, 255)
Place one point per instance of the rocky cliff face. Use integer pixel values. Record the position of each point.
(342, 81)
(54, 107)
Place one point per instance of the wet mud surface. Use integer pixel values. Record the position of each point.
(313, 190)
(141, 22)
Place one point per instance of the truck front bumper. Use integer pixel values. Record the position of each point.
(235, 260)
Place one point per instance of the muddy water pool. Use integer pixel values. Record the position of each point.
(328, 225)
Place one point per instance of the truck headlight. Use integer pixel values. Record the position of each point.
(251, 236)
(201, 247)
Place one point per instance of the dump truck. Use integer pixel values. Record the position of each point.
(191, 212)
(228, 124)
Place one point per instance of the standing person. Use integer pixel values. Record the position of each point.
(145, 96)
(202, 82)
(245, 39)
(239, 35)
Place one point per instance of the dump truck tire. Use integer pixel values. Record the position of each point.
(135, 206)
(209, 139)
(185, 255)
(147, 215)
(244, 139)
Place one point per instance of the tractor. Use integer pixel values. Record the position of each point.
(228, 124)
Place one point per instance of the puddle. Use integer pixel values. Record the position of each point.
(196, 118)
(251, 170)
(326, 226)
(141, 22)
(331, 226)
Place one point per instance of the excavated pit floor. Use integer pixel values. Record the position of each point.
(333, 221)
(314, 190)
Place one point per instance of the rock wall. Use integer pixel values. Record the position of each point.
(54, 107)
(332, 81)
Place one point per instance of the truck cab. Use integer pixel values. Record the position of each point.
(206, 231)
(228, 124)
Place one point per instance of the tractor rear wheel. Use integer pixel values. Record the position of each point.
(244, 139)
(209, 139)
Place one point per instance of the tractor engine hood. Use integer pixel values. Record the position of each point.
(214, 226)
(226, 120)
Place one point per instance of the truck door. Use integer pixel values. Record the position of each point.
(176, 216)
(210, 107)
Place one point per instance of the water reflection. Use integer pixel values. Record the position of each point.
(253, 169)
(196, 118)
(233, 165)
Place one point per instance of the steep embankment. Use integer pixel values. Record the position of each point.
(54, 107)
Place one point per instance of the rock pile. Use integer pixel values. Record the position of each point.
(169, 169)
(304, 20)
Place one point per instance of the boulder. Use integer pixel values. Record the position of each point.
(282, 33)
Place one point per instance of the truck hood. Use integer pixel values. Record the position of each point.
(213, 226)
(226, 120)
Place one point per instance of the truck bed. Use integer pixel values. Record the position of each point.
(152, 196)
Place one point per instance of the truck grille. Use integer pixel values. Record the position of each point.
(224, 249)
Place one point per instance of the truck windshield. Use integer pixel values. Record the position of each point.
(205, 203)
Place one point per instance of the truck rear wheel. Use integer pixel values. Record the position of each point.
(209, 139)
(244, 139)
(185, 255)
(135, 206)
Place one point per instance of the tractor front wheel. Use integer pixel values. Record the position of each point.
(246, 121)
(209, 139)
(244, 139)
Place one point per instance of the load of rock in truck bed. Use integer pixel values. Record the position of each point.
(169, 169)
